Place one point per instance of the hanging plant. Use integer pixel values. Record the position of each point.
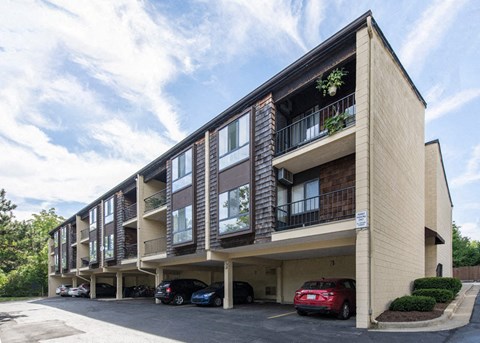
(336, 123)
(332, 82)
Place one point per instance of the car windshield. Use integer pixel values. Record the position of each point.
(318, 285)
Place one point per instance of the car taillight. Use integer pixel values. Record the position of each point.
(168, 290)
(326, 294)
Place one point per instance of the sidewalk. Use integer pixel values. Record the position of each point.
(456, 315)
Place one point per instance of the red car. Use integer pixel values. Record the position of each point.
(337, 296)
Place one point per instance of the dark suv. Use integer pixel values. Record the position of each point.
(178, 291)
(213, 294)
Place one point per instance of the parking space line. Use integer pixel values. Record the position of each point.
(282, 315)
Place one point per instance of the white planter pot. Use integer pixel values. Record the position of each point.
(332, 90)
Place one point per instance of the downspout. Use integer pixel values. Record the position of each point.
(370, 174)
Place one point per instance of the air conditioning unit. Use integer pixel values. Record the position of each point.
(285, 177)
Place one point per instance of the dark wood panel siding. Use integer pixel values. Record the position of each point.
(234, 177)
(214, 241)
(119, 230)
(265, 182)
(182, 198)
(200, 194)
(170, 251)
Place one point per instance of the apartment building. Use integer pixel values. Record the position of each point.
(264, 193)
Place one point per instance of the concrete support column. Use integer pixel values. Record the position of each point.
(158, 280)
(279, 285)
(119, 285)
(93, 286)
(74, 282)
(228, 284)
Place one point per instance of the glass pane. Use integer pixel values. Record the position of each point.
(175, 168)
(282, 196)
(234, 203)
(311, 189)
(223, 205)
(188, 161)
(188, 217)
(175, 221)
(233, 135)
(234, 157)
(181, 183)
(223, 141)
(244, 197)
(181, 165)
(244, 130)
(297, 196)
(233, 224)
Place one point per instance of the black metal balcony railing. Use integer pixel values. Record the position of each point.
(130, 250)
(84, 234)
(312, 127)
(130, 212)
(332, 206)
(156, 200)
(85, 261)
(155, 246)
(73, 263)
(73, 238)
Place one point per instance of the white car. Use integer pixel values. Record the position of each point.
(73, 292)
(62, 290)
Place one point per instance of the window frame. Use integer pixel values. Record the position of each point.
(176, 178)
(176, 232)
(237, 216)
(93, 224)
(109, 246)
(109, 210)
(304, 199)
(248, 134)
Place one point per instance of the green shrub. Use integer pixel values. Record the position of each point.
(450, 283)
(440, 295)
(413, 303)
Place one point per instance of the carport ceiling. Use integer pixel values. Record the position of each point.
(299, 255)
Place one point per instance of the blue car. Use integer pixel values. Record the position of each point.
(213, 294)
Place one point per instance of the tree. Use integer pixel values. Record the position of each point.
(465, 252)
(24, 250)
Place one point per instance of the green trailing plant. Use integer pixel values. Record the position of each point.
(413, 303)
(450, 283)
(334, 79)
(336, 123)
(440, 295)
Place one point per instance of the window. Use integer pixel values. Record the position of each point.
(64, 235)
(234, 208)
(64, 259)
(108, 246)
(55, 240)
(56, 263)
(93, 251)
(305, 197)
(93, 219)
(182, 170)
(234, 142)
(182, 225)
(282, 208)
(108, 211)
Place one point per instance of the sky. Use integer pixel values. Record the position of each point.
(91, 91)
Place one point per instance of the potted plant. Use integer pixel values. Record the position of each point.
(332, 82)
(336, 123)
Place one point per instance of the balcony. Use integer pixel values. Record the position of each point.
(307, 143)
(85, 261)
(130, 216)
(155, 206)
(328, 207)
(84, 235)
(73, 238)
(156, 246)
(129, 251)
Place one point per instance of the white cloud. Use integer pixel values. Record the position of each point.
(451, 104)
(472, 172)
(471, 229)
(427, 32)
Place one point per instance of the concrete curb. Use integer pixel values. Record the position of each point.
(447, 314)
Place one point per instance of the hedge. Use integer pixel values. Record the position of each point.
(413, 303)
(450, 283)
(440, 295)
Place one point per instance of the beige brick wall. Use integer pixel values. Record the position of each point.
(397, 184)
(438, 210)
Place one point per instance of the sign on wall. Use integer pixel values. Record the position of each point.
(361, 219)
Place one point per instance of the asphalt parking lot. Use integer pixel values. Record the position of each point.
(140, 320)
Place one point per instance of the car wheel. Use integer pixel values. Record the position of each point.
(301, 313)
(344, 311)
(165, 302)
(217, 302)
(249, 299)
(178, 299)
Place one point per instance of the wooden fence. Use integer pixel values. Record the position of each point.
(467, 273)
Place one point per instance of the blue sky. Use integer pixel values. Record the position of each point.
(91, 91)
